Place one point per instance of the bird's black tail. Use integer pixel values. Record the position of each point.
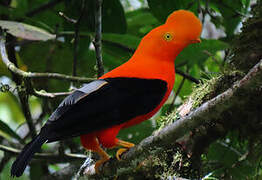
(26, 154)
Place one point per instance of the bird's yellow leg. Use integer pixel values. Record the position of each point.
(104, 157)
(126, 145)
(90, 142)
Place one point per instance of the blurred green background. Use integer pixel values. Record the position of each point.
(124, 23)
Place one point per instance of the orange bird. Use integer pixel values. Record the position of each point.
(123, 97)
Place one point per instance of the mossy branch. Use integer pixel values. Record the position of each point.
(156, 143)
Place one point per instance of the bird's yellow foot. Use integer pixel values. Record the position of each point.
(120, 151)
(104, 157)
(99, 163)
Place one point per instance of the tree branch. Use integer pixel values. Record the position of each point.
(66, 173)
(76, 37)
(43, 7)
(97, 43)
(187, 76)
(172, 105)
(50, 157)
(33, 75)
(23, 96)
(48, 94)
(154, 144)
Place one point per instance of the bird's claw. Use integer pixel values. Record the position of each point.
(120, 152)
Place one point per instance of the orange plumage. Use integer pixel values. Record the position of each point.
(154, 58)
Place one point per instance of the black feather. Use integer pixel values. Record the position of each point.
(110, 102)
(26, 155)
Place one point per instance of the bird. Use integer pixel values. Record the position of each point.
(123, 97)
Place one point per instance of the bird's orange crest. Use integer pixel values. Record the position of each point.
(185, 24)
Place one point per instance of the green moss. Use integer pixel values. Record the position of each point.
(165, 120)
(203, 92)
(209, 89)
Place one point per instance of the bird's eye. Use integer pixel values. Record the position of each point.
(168, 36)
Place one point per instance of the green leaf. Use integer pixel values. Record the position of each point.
(137, 133)
(161, 9)
(127, 40)
(26, 31)
(140, 22)
(10, 109)
(232, 12)
(114, 56)
(5, 173)
(227, 156)
(36, 171)
(195, 53)
(113, 16)
(8, 131)
(223, 153)
(3, 69)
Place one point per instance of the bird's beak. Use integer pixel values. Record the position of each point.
(196, 40)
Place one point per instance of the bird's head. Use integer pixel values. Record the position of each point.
(180, 29)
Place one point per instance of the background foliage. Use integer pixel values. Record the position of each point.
(124, 23)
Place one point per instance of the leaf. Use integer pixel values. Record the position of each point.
(114, 56)
(194, 53)
(231, 13)
(140, 22)
(7, 130)
(137, 133)
(26, 31)
(10, 109)
(36, 171)
(161, 9)
(127, 40)
(227, 156)
(113, 16)
(223, 153)
(5, 173)
(3, 69)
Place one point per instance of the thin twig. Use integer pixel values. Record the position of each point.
(67, 172)
(43, 7)
(97, 43)
(22, 94)
(26, 110)
(221, 68)
(76, 37)
(71, 20)
(187, 76)
(41, 93)
(50, 95)
(171, 106)
(27, 75)
(50, 157)
(4, 161)
(34, 75)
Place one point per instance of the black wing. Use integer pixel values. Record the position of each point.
(102, 104)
